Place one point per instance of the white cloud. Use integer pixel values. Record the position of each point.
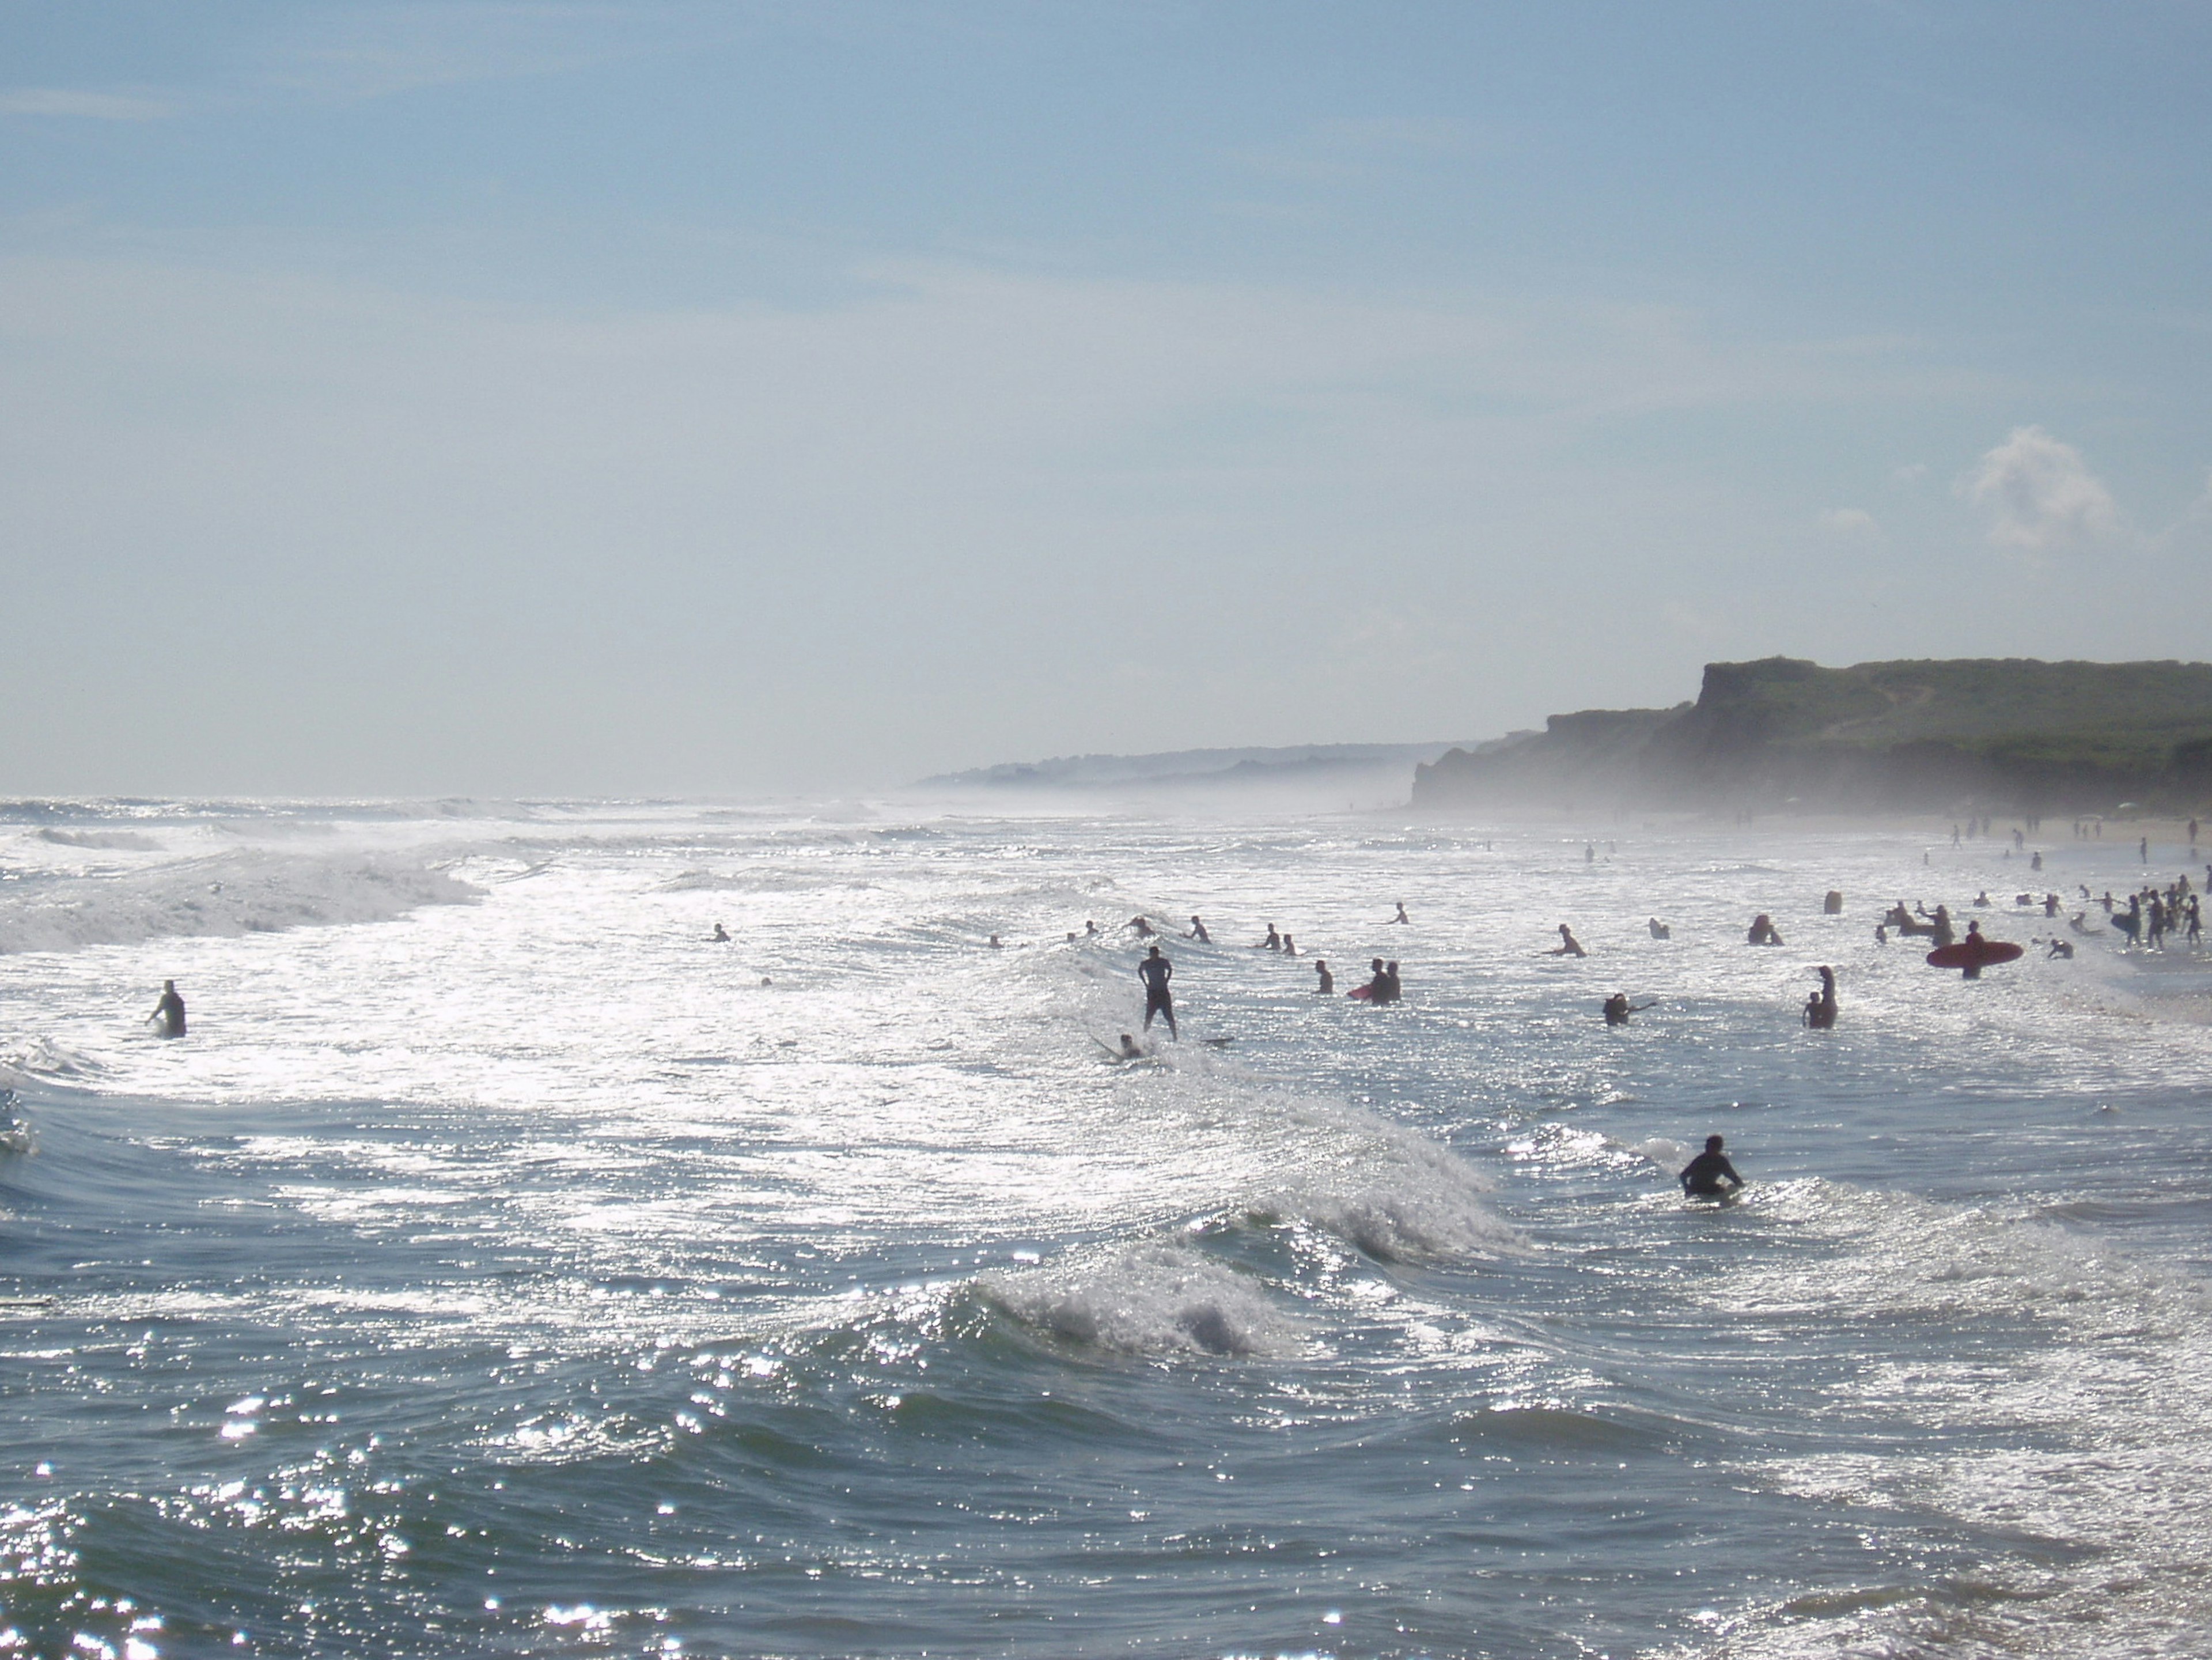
(86, 106)
(1911, 473)
(1851, 521)
(2040, 494)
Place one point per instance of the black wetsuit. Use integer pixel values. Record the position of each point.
(1703, 1175)
(1155, 972)
(170, 1011)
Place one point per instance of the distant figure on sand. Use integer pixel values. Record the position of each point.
(1198, 933)
(1155, 972)
(1617, 1008)
(1568, 946)
(1326, 987)
(170, 1011)
(1763, 931)
(1400, 916)
(1701, 1176)
(1821, 1005)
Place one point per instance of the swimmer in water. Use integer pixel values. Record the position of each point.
(1394, 989)
(1763, 932)
(1155, 972)
(1327, 981)
(1568, 946)
(1821, 1005)
(2061, 948)
(997, 944)
(1290, 946)
(1272, 942)
(721, 937)
(1090, 930)
(1617, 1008)
(1659, 929)
(1143, 927)
(1198, 933)
(170, 1011)
(1701, 1176)
(1400, 916)
(1130, 1050)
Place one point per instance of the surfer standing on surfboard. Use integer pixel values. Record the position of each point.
(1155, 972)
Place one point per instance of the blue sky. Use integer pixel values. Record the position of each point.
(490, 398)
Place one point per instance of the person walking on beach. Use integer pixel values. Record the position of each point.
(1155, 972)
(170, 1011)
(1701, 1176)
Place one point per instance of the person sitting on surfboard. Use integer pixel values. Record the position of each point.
(1568, 946)
(1155, 972)
(1701, 1176)
(1290, 946)
(1198, 933)
(1400, 916)
(1327, 981)
(1821, 1005)
(170, 1011)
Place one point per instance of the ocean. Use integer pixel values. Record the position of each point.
(503, 1266)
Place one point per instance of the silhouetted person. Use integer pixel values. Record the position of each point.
(1130, 1050)
(1143, 927)
(1198, 931)
(1763, 931)
(1392, 989)
(170, 1011)
(1568, 946)
(1272, 942)
(1701, 1176)
(1659, 929)
(1290, 946)
(1402, 917)
(1821, 1005)
(1327, 981)
(721, 936)
(1155, 972)
(1617, 1008)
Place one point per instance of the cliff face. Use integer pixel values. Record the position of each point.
(1999, 733)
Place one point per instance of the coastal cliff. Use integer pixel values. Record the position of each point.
(2009, 733)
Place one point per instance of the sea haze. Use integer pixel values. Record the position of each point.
(502, 1265)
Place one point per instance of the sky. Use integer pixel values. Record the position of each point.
(543, 399)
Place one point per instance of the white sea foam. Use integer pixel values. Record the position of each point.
(1153, 1298)
(223, 897)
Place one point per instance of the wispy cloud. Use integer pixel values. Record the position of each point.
(2040, 496)
(84, 105)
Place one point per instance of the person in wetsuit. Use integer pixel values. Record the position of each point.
(1701, 1176)
(1568, 946)
(1198, 933)
(1762, 931)
(1400, 916)
(1156, 971)
(1327, 985)
(1821, 1005)
(721, 936)
(1617, 1008)
(170, 1011)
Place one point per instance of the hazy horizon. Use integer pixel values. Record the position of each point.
(517, 399)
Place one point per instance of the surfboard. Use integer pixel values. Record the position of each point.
(1973, 954)
(1360, 993)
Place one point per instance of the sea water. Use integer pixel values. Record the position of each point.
(502, 1266)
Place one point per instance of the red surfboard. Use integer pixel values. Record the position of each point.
(1973, 954)
(1361, 992)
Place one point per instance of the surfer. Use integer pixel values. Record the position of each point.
(1701, 1176)
(1143, 927)
(1327, 985)
(1130, 1050)
(1198, 933)
(1155, 972)
(1821, 1005)
(997, 944)
(1400, 916)
(1272, 942)
(721, 937)
(1617, 1008)
(1290, 946)
(170, 1011)
(1763, 931)
(1659, 929)
(1393, 989)
(1090, 929)
(1568, 946)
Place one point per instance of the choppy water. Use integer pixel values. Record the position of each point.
(501, 1267)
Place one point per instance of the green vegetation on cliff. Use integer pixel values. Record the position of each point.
(2012, 732)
